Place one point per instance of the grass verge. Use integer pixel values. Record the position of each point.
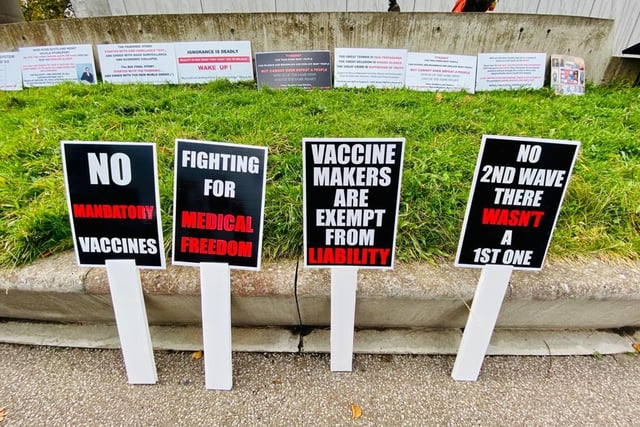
(600, 216)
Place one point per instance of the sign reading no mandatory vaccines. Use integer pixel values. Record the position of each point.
(351, 199)
(518, 188)
(112, 196)
(218, 203)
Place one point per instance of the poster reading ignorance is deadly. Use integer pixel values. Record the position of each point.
(517, 191)
(351, 199)
(307, 69)
(112, 196)
(202, 62)
(218, 203)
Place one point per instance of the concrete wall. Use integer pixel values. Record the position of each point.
(626, 13)
(468, 34)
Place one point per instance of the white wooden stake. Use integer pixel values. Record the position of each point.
(215, 290)
(131, 321)
(344, 282)
(485, 308)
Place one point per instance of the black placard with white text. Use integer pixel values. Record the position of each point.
(351, 199)
(112, 196)
(302, 69)
(218, 203)
(517, 191)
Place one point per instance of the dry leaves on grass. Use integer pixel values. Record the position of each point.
(356, 411)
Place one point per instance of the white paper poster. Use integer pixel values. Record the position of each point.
(50, 65)
(381, 68)
(10, 75)
(510, 71)
(153, 63)
(437, 72)
(202, 62)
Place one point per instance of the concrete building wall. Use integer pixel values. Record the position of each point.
(626, 13)
(467, 34)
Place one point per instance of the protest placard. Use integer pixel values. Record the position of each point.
(202, 62)
(358, 68)
(113, 201)
(303, 69)
(153, 63)
(51, 65)
(351, 199)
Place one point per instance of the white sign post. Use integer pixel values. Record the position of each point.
(485, 308)
(344, 282)
(114, 210)
(131, 321)
(350, 222)
(215, 290)
(515, 199)
(218, 213)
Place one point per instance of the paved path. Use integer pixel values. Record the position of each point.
(77, 387)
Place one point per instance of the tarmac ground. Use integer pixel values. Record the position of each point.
(52, 386)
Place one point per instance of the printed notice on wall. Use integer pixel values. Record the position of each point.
(218, 203)
(10, 75)
(153, 63)
(202, 62)
(113, 201)
(351, 198)
(306, 69)
(517, 191)
(358, 68)
(510, 71)
(51, 65)
(438, 72)
(567, 75)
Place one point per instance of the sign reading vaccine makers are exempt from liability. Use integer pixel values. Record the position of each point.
(351, 199)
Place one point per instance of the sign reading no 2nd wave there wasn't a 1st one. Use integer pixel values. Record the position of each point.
(351, 198)
(517, 191)
(218, 203)
(112, 196)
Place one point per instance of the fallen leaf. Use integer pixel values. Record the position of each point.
(197, 355)
(636, 346)
(356, 411)
(3, 413)
(438, 97)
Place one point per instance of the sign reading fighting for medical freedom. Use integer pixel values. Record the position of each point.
(112, 196)
(351, 199)
(515, 199)
(218, 203)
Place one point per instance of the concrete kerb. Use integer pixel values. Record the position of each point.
(396, 311)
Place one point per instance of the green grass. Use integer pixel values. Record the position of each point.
(600, 216)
